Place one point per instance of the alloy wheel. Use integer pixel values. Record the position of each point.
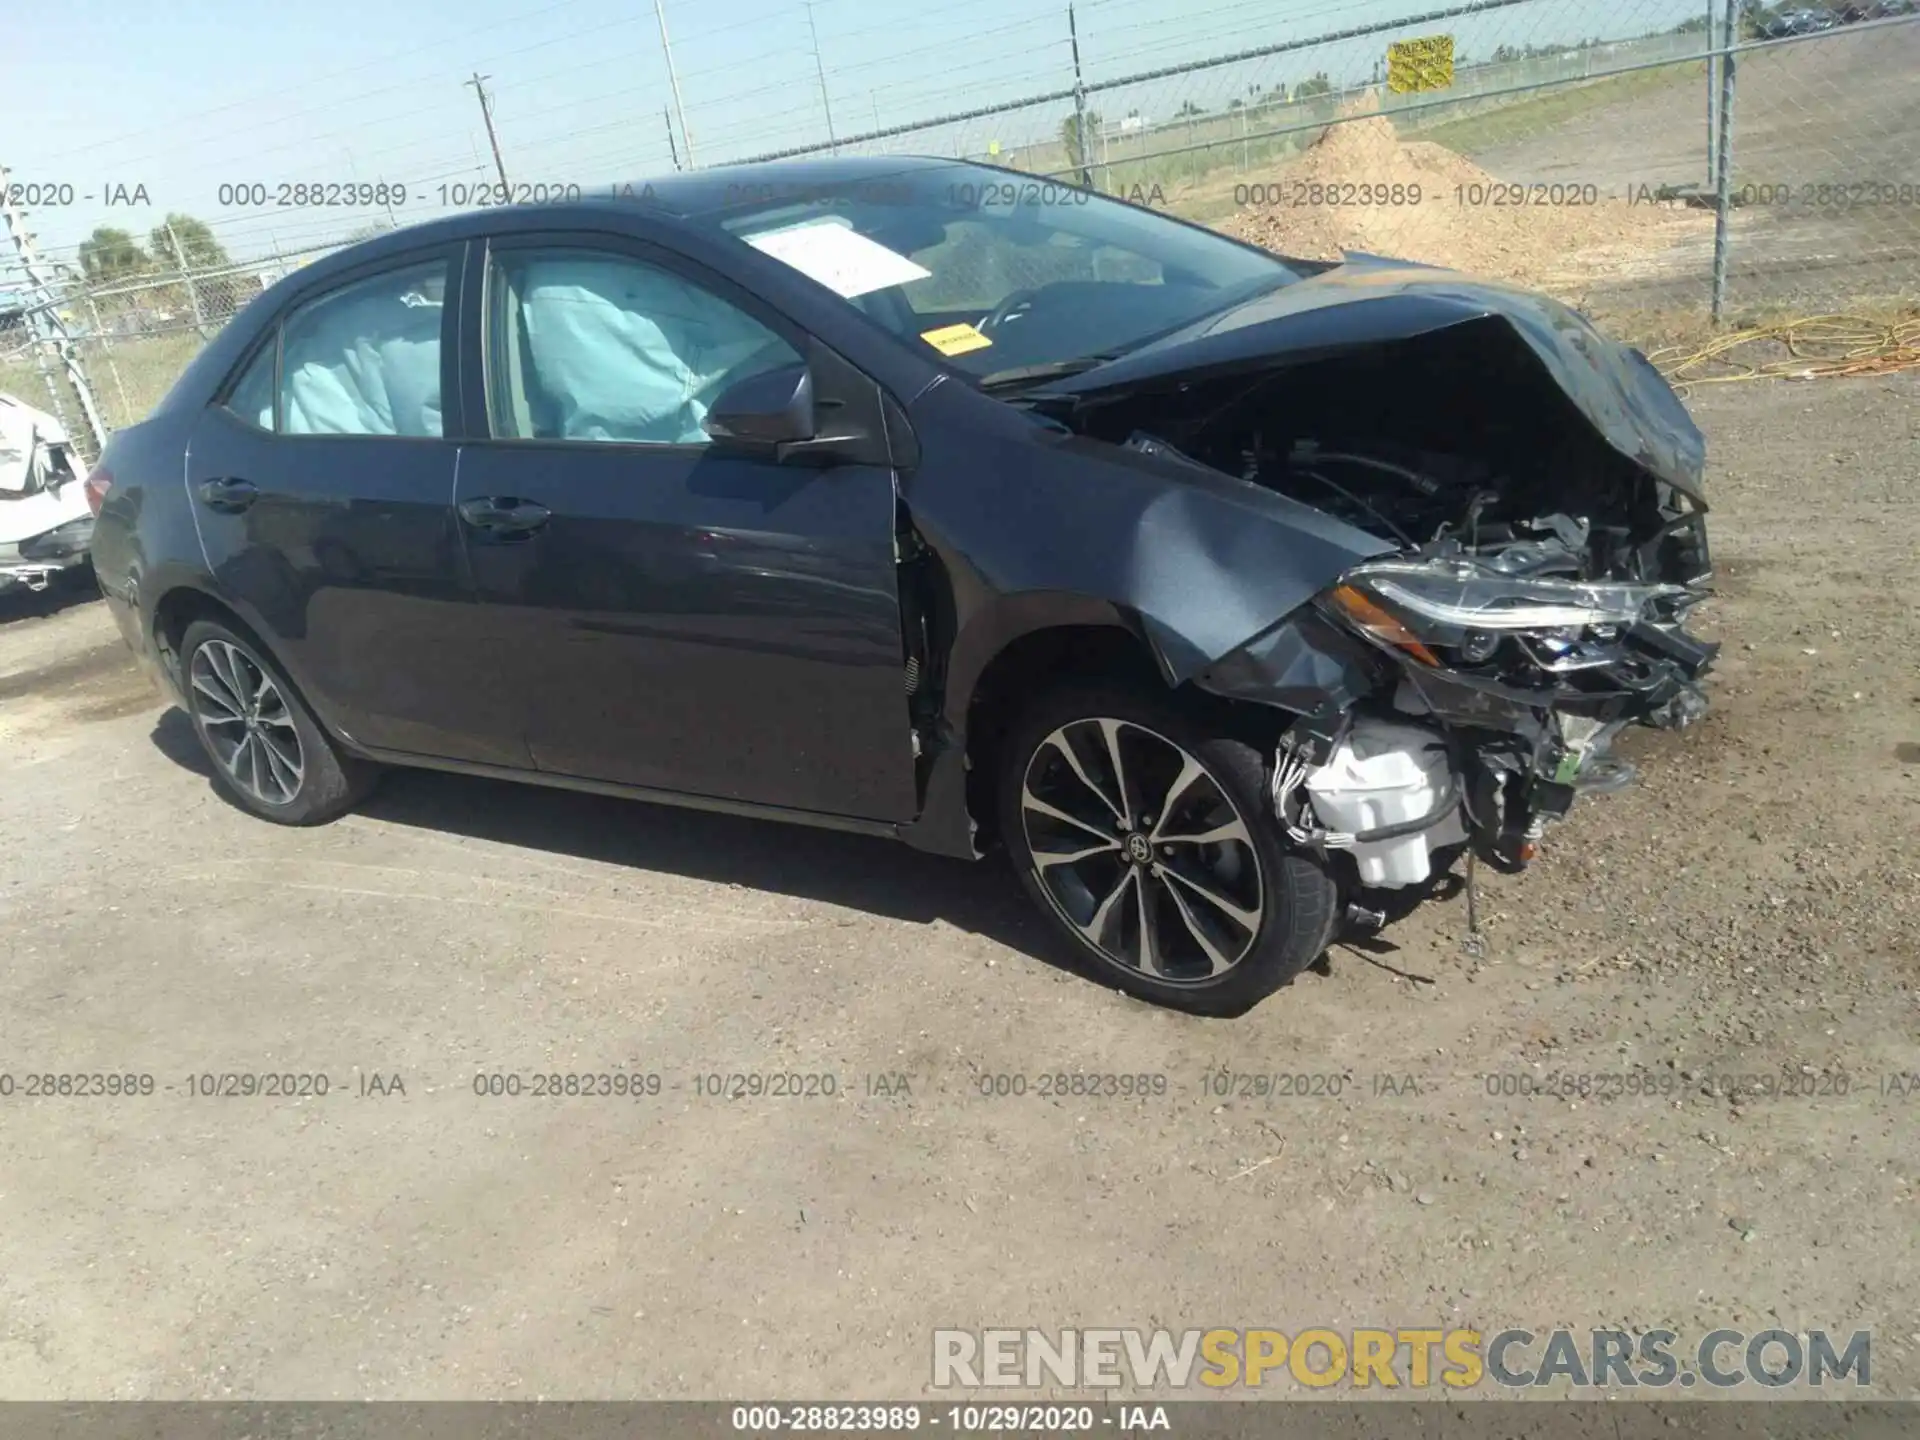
(245, 721)
(1140, 850)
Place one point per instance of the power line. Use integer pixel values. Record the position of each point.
(335, 104)
(337, 74)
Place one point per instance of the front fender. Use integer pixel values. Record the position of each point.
(1196, 561)
(1035, 527)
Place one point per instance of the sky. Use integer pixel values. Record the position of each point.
(112, 98)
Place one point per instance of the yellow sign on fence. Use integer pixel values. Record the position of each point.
(1423, 64)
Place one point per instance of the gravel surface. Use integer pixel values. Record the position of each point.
(1741, 931)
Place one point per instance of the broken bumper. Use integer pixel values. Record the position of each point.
(1391, 759)
(33, 562)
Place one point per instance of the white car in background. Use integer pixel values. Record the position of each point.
(45, 524)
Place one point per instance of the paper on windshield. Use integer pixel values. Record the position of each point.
(955, 339)
(840, 258)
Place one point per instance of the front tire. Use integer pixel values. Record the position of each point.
(270, 755)
(1147, 840)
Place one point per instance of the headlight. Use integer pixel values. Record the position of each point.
(1418, 606)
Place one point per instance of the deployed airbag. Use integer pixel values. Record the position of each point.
(617, 350)
(367, 361)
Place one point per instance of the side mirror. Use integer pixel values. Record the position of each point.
(764, 411)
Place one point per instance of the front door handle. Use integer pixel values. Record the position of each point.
(504, 515)
(228, 495)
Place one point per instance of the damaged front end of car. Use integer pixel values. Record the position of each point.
(1437, 704)
(1536, 489)
(1498, 703)
(46, 527)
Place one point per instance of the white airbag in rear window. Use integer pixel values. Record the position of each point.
(366, 360)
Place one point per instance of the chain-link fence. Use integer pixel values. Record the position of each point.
(1592, 167)
(128, 340)
(1663, 154)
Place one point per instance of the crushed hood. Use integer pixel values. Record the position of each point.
(1370, 300)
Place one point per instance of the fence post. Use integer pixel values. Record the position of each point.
(193, 294)
(1713, 82)
(1080, 144)
(43, 362)
(1723, 169)
(106, 349)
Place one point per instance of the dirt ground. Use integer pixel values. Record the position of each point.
(1455, 214)
(1840, 110)
(1816, 122)
(1750, 909)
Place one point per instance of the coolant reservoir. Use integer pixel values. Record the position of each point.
(1388, 774)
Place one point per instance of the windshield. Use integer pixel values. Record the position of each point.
(1001, 272)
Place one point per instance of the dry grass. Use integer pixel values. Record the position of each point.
(1691, 327)
(129, 376)
(1505, 119)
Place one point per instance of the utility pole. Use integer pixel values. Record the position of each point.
(486, 114)
(673, 80)
(354, 171)
(672, 149)
(49, 329)
(820, 70)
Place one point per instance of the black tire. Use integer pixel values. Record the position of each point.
(329, 781)
(1298, 899)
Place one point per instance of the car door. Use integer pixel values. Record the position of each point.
(322, 486)
(681, 619)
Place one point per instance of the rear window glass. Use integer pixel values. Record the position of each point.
(365, 359)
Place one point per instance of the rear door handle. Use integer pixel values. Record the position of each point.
(228, 494)
(504, 515)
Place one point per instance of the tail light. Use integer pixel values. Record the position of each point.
(96, 486)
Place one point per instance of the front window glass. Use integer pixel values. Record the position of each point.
(999, 272)
(596, 347)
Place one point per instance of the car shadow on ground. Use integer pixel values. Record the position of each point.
(66, 591)
(877, 876)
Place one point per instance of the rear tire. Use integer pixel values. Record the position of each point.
(270, 756)
(1171, 875)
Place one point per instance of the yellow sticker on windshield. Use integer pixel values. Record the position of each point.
(955, 339)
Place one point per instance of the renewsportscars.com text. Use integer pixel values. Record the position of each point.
(1388, 1359)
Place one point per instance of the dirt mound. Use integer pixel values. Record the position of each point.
(1361, 187)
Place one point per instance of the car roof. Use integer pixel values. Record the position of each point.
(688, 193)
(664, 200)
(677, 197)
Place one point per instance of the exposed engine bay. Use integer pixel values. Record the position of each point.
(1533, 605)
